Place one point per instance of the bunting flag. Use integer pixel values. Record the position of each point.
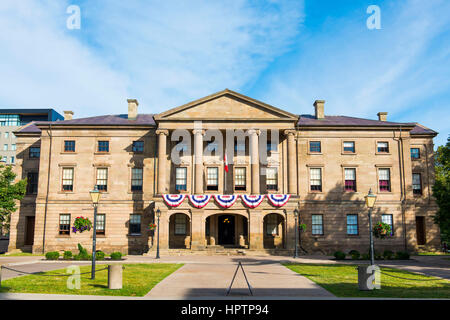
(174, 200)
(226, 201)
(279, 200)
(199, 201)
(252, 201)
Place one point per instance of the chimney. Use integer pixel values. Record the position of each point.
(382, 116)
(68, 115)
(318, 105)
(132, 109)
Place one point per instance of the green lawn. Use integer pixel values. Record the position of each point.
(20, 254)
(432, 253)
(138, 280)
(342, 281)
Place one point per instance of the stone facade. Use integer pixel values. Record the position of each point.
(265, 228)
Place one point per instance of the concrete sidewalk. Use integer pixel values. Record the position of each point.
(267, 279)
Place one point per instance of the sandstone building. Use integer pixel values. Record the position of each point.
(325, 164)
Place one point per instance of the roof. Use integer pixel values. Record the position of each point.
(310, 120)
(107, 120)
(421, 129)
(51, 114)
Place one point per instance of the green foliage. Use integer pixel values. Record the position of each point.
(116, 256)
(99, 255)
(339, 255)
(441, 190)
(402, 255)
(381, 230)
(354, 254)
(52, 255)
(67, 255)
(83, 254)
(365, 256)
(10, 192)
(388, 254)
(302, 227)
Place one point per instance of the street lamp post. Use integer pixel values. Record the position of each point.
(95, 196)
(158, 214)
(370, 202)
(296, 232)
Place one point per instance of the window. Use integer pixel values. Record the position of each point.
(417, 183)
(35, 152)
(64, 224)
(272, 178)
(138, 146)
(316, 179)
(352, 224)
(4, 159)
(415, 153)
(9, 120)
(349, 146)
(102, 179)
(317, 224)
(212, 147)
(212, 178)
(136, 179)
(69, 146)
(383, 147)
(13, 147)
(32, 182)
(5, 147)
(314, 146)
(272, 224)
(100, 224)
(13, 159)
(6, 135)
(103, 146)
(384, 176)
(181, 147)
(350, 179)
(388, 219)
(135, 224)
(181, 179)
(271, 146)
(180, 224)
(67, 182)
(240, 179)
(239, 146)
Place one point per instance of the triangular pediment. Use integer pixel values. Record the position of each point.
(226, 105)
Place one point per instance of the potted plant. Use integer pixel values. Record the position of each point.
(381, 230)
(81, 224)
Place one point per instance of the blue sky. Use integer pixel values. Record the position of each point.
(286, 53)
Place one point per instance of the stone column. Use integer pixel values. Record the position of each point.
(256, 230)
(162, 159)
(163, 231)
(198, 230)
(292, 163)
(254, 153)
(198, 160)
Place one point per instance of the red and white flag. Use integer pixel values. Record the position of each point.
(225, 161)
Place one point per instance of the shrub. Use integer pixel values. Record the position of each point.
(52, 255)
(67, 255)
(402, 255)
(378, 256)
(82, 257)
(116, 256)
(99, 255)
(388, 254)
(366, 256)
(354, 254)
(339, 255)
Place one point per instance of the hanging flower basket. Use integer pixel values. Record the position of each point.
(381, 230)
(152, 226)
(81, 224)
(302, 227)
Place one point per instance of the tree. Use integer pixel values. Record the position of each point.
(9, 193)
(441, 189)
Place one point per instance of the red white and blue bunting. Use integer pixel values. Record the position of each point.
(279, 200)
(225, 201)
(199, 201)
(252, 201)
(174, 200)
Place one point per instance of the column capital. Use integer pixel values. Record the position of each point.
(254, 131)
(162, 131)
(198, 131)
(290, 131)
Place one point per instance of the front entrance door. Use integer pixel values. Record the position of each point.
(29, 236)
(226, 230)
(420, 230)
